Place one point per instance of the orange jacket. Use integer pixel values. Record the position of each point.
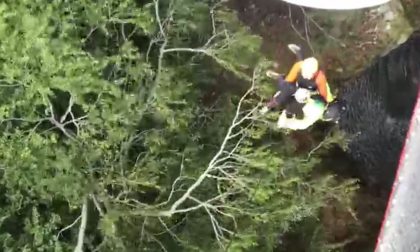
(320, 80)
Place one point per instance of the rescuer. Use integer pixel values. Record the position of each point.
(303, 81)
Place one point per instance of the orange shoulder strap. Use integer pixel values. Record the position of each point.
(323, 87)
(294, 72)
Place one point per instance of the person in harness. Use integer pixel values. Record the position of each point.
(305, 80)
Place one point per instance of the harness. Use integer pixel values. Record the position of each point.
(311, 85)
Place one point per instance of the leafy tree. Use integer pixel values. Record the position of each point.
(109, 140)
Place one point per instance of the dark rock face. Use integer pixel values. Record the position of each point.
(380, 102)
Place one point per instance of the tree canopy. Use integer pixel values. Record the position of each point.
(130, 125)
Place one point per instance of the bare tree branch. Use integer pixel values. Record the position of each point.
(168, 230)
(207, 49)
(179, 178)
(157, 15)
(69, 226)
(307, 32)
(82, 228)
(97, 205)
(152, 237)
(63, 117)
(320, 27)
(143, 226)
(223, 167)
(218, 155)
(293, 26)
(60, 124)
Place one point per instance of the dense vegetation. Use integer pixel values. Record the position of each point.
(132, 126)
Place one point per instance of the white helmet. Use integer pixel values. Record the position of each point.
(309, 67)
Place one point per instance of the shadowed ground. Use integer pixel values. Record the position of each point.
(380, 103)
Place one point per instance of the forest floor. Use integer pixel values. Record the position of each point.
(345, 43)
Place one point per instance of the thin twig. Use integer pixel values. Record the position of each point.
(307, 31)
(157, 241)
(315, 149)
(97, 205)
(142, 232)
(69, 107)
(69, 226)
(169, 230)
(293, 26)
(320, 28)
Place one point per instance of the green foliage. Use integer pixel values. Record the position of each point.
(107, 101)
